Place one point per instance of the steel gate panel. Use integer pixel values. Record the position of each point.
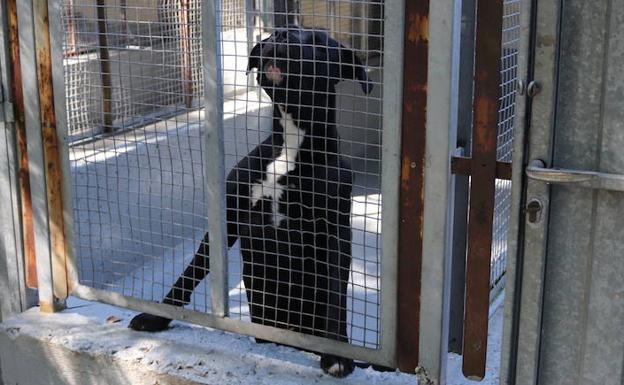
(124, 228)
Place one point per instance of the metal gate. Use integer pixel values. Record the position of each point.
(140, 109)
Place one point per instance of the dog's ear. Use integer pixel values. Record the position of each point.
(254, 57)
(352, 68)
(347, 65)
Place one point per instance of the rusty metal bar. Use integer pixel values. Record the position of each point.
(71, 29)
(123, 9)
(416, 50)
(107, 86)
(28, 232)
(463, 166)
(482, 188)
(51, 152)
(185, 47)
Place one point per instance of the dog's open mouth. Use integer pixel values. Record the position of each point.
(273, 73)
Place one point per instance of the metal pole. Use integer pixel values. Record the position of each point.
(488, 40)
(185, 45)
(214, 166)
(413, 138)
(464, 133)
(28, 232)
(107, 87)
(51, 152)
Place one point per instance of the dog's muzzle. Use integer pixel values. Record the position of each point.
(273, 73)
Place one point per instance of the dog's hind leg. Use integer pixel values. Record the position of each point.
(339, 265)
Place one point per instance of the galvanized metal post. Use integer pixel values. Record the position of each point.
(214, 164)
(440, 141)
(464, 141)
(516, 223)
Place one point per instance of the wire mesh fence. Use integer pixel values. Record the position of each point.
(134, 87)
(130, 62)
(300, 283)
(506, 117)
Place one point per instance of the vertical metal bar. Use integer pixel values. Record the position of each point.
(35, 155)
(438, 190)
(413, 137)
(12, 280)
(123, 9)
(185, 48)
(55, 12)
(71, 29)
(28, 232)
(516, 222)
(482, 189)
(51, 150)
(250, 25)
(391, 179)
(107, 86)
(460, 215)
(214, 159)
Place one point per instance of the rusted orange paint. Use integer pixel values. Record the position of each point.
(51, 151)
(418, 27)
(483, 169)
(411, 200)
(28, 232)
(185, 35)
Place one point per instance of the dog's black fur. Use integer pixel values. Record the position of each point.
(296, 270)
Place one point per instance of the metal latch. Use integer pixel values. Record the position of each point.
(537, 170)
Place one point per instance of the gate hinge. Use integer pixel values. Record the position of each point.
(537, 170)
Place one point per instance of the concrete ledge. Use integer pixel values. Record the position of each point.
(79, 347)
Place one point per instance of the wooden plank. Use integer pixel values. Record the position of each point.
(411, 201)
(482, 188)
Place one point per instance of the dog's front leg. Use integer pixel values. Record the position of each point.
(180, 293)
(195, 272)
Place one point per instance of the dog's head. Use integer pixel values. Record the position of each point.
(301, 60)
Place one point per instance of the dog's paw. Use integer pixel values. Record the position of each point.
(149, 323)
(337, 366)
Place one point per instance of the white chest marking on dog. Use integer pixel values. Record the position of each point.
(281, 165)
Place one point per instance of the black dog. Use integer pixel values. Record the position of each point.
(289, 200)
